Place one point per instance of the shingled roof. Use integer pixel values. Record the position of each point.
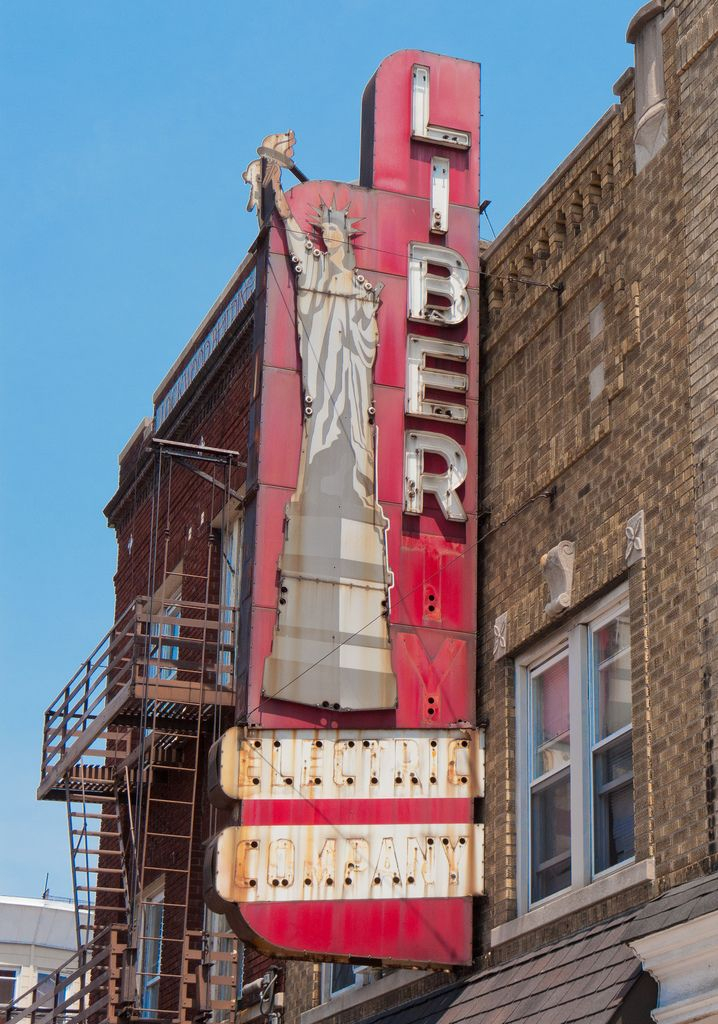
(585, 978)
(676, 906)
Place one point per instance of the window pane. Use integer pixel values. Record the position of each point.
(551, 837)
(7, 986)
(151, 955)
(152, 937)
(223, 952)
(550, 744)
(612, 675)
(230, 600)
(342, 977)
(613, 799)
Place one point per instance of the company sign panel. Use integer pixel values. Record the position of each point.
(308, 833)
(363, 546)
(280, 864)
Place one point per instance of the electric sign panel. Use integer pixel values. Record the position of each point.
(356, 771)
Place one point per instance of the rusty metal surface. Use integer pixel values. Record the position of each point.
(350, 818)
(433, 560)
(338, 531)
(348, 764)
(84, 988)
(281, 864)
(177, 661)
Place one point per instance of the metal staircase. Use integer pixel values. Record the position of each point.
(122, 746)
(97, 861)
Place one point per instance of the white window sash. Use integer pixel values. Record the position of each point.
(574, 637)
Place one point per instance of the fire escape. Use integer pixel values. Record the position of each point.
(123, 747)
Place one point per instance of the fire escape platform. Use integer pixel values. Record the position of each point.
(152, 671)
(176, 703)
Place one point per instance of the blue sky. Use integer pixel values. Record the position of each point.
(124, 129)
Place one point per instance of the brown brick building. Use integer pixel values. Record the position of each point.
(598, 603)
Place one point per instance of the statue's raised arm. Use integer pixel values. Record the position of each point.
(274, 177)
(275, 152)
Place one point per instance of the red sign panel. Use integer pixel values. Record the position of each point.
(356, 836)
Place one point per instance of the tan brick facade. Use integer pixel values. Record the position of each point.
(697, 70)
(628, 449)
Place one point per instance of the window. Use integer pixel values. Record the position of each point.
(341, 977)
(227, 955)
(231, 574)
(611, 754)
(150, 948)
(163, 646)
(575, 761)
(7, 985)
(47, 994)
(550, 775)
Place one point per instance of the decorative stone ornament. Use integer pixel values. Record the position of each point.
(645, 31)
(500, 635)
(635, 539)
(557, 565)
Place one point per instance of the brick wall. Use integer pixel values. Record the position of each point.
(698, 83)
(303, 989)
(214, 411)
(618, 247)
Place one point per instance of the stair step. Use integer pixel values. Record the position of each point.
(98, 888)
(82, 870)
(82, 851)
(96, 817)
(94, 835)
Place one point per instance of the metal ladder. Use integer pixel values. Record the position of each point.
(94, 832)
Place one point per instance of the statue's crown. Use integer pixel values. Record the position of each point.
(332, 214)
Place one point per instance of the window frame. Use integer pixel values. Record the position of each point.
(230, 595)
(611, 740)
(153, 895)
(574, 636)
(327, 970)
(10, 973)
(538, 784)
(56, 994)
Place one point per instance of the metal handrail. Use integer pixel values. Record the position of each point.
(204, 978)
(83, 697)
(140, 656)
(81, 985)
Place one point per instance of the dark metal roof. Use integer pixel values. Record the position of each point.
(584, 978)
(675, 906)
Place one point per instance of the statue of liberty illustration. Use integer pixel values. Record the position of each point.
(331, 639)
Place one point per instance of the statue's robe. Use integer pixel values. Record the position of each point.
(331, 640)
